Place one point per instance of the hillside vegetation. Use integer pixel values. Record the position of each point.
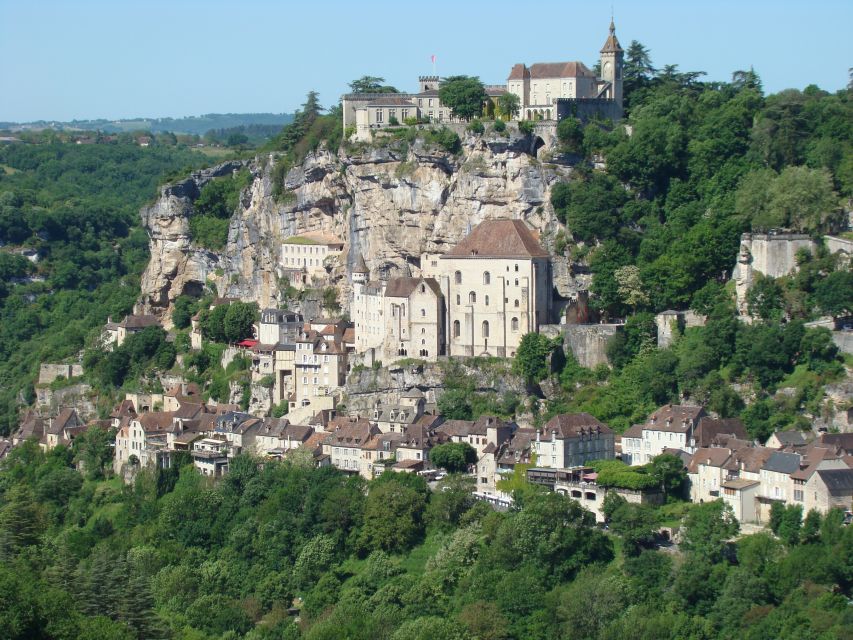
(176, 556)
(78, 206)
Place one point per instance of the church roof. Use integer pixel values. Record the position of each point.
(612, 43)
(403, 287)
(499, 239)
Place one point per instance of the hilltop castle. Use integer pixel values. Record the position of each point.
(547, 91)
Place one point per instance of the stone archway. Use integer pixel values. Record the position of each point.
(535, 145)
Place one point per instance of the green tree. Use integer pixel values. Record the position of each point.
(591, 208)
(669, 471)
(636, 524)
(765, 298)
(393, 517)
(464, 95)
(371, 84)
(531, 360)
(834, 293)
(238, 321)
(453, 456)
(706, 529)
(570, 134)
(509, 105)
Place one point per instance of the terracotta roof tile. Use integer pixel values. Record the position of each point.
(499, 239)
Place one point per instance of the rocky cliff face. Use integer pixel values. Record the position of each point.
(392, 203)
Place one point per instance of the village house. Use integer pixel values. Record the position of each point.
(211, 456)
(668, 427)
(63, 429)
(304, 257)
(480, 433)
(143, 440)
(320, 369)
(396, 418)
(117, 333)
(573, 440)
(345, 441)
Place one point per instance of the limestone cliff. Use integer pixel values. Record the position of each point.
(392, 202)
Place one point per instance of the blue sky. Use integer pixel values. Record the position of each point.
(125, 58)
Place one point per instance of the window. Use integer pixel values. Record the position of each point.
(487, 278)
(515, 304)
(430, 103)
(423, 288)
(472, 297)
(514, 324)
(457, 277)
(487, 301)
(516, 282)
(404, 113)
(485, 328)
(456, 329)
(379, 115)
(458, 299)
(516, 269)
(423, 313)
(798, 495)
(392, 113)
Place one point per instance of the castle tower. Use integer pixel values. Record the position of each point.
(611, 65)
(360, 272)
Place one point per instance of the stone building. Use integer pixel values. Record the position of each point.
(554, 90)
(546, 91)
(497, 286)
(573, 440)
(305, 257)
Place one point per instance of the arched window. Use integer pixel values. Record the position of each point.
(516, 304)
(485, 328)
(472, 297)
(516, 282)
(457, 277)
(458, 299)
(516, 267)
(423, 288)
(487, 301)
(423, 313)
(515, 324)
(487, 278)
(456, 329)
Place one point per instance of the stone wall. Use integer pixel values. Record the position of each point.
(50, 372)
(588, 342)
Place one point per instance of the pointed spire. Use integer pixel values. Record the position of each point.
(612, 43)
(360, 266)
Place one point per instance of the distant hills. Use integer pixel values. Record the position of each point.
(189, 125)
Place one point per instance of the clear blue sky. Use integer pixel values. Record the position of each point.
(125, 58)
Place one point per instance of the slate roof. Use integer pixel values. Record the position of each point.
(403, 287)
(709, 428)
(360, 266)
(792, 438)
(781, 462)
(837, 481)
(672, 418)
(711, 457)
(541, 70)
(843, 441)
(499, 239)
(393, 101)
(611, 45)
(572, 425)
(139, 322)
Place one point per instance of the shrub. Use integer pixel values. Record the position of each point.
(525, 127)
(499, 126)
(476, 126)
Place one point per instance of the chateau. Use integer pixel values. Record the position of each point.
(547, 91)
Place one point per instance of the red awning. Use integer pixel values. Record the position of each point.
(247, 343)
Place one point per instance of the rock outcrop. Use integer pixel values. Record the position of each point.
(392, 202)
